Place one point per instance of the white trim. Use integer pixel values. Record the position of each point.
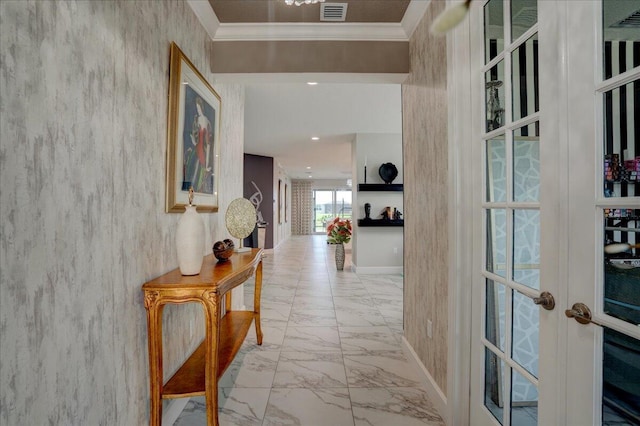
(460, 227)
(356, 78)
(372, 270)
(433, 390)
(414, 14)
(171, 413)
(205, 15)
(311, 31)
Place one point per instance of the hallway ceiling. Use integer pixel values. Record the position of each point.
(282, 112)
(264, 11)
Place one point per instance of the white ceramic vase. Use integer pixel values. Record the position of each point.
(190, 241)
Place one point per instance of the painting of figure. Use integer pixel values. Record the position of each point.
(198, 144)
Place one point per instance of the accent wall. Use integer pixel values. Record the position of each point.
(83, 122)
(425, 152)
(258, 188)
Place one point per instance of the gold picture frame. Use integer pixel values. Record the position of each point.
(193, 137)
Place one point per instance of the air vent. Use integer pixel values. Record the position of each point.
(631, 21)
(333, 12)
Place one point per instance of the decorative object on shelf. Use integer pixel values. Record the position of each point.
(386, 213)
(450, 18)
(495, 113)
(619, 247)
(339, 233)
(365, 169)
(190, 239)
(397, 214)
(193, 131)
(240, 220)
(223, 250)
(616, 171)
(388, 172)
(367, 211)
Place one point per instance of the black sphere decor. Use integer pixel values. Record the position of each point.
(388, 172)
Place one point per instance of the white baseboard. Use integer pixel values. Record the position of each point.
(173, 410)
(436, 395)
(373, 270)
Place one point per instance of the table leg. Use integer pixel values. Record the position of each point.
(211, 357)
(256, 302)
(154, 336)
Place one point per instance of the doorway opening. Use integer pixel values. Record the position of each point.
(328, 204)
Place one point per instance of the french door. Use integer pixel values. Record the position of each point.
(557, 205)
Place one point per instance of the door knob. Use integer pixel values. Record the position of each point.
(545, 300)
(581, 313)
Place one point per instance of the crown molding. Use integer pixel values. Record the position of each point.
(414, 14)
(306, 31)
(355, 78)
(205, 14)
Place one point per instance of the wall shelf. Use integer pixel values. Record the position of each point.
(397, 187)
(380, 222)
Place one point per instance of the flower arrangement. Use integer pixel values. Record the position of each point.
(339, 231)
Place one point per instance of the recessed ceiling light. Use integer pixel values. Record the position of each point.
(315, 138)
(308, 167)
(312, 83)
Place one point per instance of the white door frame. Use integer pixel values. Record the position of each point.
(460, 227)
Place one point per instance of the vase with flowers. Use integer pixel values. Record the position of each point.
(339, 233)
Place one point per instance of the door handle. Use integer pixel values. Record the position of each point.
(545, 300)
(581, 313)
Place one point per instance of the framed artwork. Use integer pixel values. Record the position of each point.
(279, 200)
(193, 137)
(286, 219)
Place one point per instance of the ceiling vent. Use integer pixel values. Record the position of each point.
(631, 21)
(333, 12)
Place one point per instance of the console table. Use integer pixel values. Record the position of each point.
(224, 334)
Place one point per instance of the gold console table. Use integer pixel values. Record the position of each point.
(224, 334)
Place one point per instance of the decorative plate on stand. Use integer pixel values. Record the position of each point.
(240, 220)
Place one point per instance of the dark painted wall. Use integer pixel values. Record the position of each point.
(259, 170)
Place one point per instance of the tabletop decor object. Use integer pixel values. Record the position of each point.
(190, 239)
(240, 220)
(223, 250)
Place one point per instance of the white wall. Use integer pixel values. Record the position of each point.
(377, 249)
(82, 163)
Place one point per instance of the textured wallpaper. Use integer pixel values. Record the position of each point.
(83, 111)
(424, 106)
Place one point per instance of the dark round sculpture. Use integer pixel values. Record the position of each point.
(223, 250)
(388, 172)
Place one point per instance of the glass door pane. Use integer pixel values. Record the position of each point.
(330, 203)
(323, 210)
(619, 283)
(511, 169)
(343, 204)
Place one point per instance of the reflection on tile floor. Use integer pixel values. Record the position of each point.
(331, 352)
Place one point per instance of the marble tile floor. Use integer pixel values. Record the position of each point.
(331, 353)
